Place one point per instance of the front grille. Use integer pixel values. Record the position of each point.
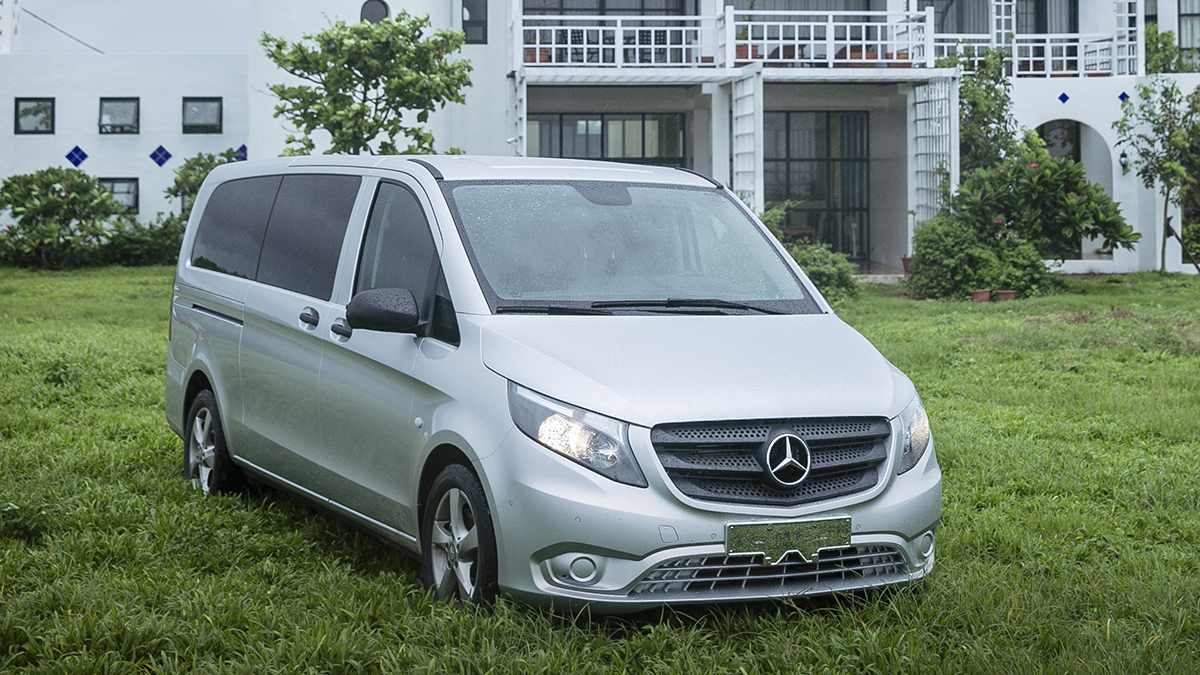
(715, 461)
(741, 575)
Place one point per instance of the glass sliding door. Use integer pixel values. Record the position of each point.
(817, 164)
(637, 138)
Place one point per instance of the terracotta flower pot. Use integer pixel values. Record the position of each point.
(982, 295)
(907, 263)
(1001, 296)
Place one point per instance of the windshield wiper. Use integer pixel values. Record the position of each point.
(546, 309)
(683, 302)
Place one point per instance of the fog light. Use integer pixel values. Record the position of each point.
(576, 569)
(583, 569)
(925, 545)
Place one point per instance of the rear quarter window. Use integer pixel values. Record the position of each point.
(229, 237)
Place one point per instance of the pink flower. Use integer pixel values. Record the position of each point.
(1033, 166)
(998, 221)
(1001, 170)
(1071, 193)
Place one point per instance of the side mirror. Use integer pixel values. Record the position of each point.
(391, 310)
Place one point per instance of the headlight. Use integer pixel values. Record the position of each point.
(917, 438)
(600, 443)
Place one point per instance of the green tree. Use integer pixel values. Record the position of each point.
(190, 176)
(1162, 127)
(362, 78)
(987, 132)
(62, 216)
(1163, 54)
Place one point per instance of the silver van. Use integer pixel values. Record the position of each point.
(575, 383)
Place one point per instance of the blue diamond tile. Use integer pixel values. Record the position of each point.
(1063, 97)
(160, 155)
(1124, 97)
(76, 156)
(240, 153)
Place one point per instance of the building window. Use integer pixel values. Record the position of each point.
(621, 7)
(202, 115)
(124, 191)
(638, 138)
(1062, 139)
(374, 11)
(1189, 26)
(475, 21)
(816, 163)
(119, 115)
(33, 116)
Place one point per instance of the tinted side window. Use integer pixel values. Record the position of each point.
(304, 238)
(230, 235)
(398, 250)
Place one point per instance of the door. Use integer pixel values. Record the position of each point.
(287, 313)
(370, 437)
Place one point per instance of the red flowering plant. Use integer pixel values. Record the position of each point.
(60, 216)
(1007, 220)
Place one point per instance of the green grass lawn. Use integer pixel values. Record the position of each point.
(1068, 430)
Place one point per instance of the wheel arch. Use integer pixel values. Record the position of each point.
(442, 456)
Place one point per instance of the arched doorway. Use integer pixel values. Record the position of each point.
(1074, 140)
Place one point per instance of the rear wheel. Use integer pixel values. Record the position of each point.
(206, 461)
(458, 542)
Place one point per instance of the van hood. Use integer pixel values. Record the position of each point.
(650, 370)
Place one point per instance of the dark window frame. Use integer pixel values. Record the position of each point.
(17, 116)
(475, 23)
(1192, 50)
(673, 161)
(219, 128)
(600, 7)
(121, 128)
(833, 172)
(137, 190)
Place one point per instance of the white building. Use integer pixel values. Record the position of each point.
(833, 104)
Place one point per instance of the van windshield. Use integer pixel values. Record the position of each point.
(607, 246)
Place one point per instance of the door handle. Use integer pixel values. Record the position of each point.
(310, 317)
(342, 329)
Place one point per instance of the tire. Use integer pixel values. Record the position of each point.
(206, 461)
(458, 541)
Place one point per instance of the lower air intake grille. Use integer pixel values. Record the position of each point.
(735, 575)
(715, 461)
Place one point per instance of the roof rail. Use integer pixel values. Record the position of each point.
(437, 175)
(710, 179)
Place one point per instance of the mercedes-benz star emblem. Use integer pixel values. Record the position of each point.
(787, 460)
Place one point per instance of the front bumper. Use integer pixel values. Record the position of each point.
(567, 537)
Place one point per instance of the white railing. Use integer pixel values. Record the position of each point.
(616, 41)
(1052, 54)
(729, 39)
(830, 39)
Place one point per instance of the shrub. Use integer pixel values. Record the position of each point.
(831, 272)
(62, 215)
(1003, 222)
(1191, 238)
(134, 244)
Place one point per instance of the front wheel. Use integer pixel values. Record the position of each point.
(458, 542)
(206, 461)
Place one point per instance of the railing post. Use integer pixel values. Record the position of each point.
(619, 44)
(930, 56)
(829, 42)
(730, 38)
(518, 38)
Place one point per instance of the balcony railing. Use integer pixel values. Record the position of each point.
(1052, 54)
(783, 39)
(730, 39)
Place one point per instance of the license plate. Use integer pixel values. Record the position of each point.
(775, 540)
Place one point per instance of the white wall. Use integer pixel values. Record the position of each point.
(479, 127)
(77, 82)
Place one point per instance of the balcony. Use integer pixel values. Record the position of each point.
(728, 40)
(804, 39)
(1052, 54)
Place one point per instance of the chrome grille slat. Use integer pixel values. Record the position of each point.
(714, 461)
(717, 575)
